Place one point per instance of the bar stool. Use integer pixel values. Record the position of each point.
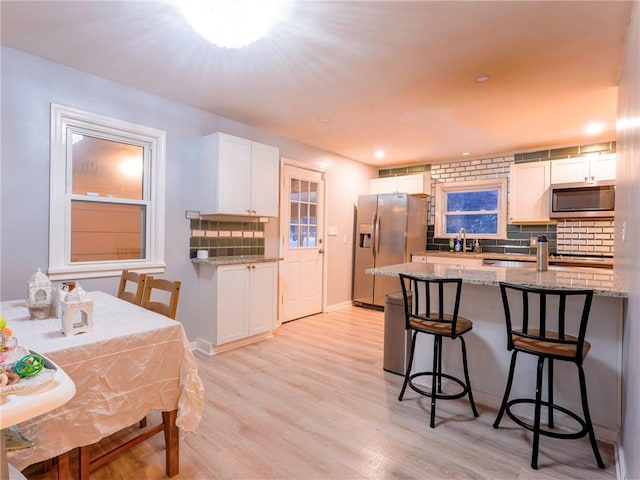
(551, 325)
(439, 296)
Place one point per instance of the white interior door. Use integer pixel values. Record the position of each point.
(302, 243)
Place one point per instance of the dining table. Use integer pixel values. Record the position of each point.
(132, 362)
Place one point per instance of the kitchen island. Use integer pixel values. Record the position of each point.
(487, 344)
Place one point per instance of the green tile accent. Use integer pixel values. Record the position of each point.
(596, 147)
(539, 155)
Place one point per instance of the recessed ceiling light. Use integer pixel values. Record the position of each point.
(233, 24)
(465, 153)
(594, 128)
(481, 78)
(379, 154)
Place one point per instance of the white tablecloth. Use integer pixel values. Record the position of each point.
(134, 361)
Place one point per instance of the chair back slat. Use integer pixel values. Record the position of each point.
(164, 307)
(138, 279)
(440, 297)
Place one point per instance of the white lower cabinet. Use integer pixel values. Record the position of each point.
(237, 305)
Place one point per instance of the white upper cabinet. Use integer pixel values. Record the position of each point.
(584, 169)
(529, 192)
(238, 176)
(411, 184)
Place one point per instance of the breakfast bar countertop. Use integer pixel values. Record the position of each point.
(603, 282)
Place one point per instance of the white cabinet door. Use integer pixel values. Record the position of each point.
(262, 297)
(603, 168)
(232, 290)
(589, 169)
(225, 177)
(570, 170)
(414, 184)
(382, 185)
(529, 192)
(265, 163)
(238, 176)
(411, 184)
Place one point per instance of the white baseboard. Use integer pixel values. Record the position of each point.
(338, 306)
(209, 349)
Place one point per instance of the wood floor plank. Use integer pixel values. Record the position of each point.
(313, 402)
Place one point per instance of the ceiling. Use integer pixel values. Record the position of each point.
(351, 77)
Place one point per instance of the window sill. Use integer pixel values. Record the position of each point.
(97, 271)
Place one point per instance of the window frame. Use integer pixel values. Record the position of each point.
(64, 122)
(442, 189)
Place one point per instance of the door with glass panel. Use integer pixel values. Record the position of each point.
(302, 244)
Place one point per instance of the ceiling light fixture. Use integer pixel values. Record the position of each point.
(481, 78)
(594, 128)
(233, 23)
(379, 154)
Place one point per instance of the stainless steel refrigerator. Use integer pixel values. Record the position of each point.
(388, 229)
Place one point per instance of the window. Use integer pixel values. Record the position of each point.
(480, 207)
(303, 226)
(107, 196)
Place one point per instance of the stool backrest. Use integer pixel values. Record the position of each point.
(537, 317)
(171, 290)
(431, 300)
(138, 280)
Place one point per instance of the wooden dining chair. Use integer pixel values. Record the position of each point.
(170, 289)
(163, 288)
(132, 277)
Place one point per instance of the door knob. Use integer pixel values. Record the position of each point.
(321, 251)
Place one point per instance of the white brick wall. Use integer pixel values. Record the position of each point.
(465, 171)
(585, 237)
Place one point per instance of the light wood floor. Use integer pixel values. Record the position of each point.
(313, 402)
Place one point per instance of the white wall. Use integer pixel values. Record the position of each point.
(627, 248)
(30, 84)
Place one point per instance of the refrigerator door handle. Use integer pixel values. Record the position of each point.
(376, 236)
(374, 229)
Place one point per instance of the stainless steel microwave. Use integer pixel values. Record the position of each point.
(569, 200)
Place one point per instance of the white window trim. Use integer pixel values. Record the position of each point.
(443, 188)
(60, 266)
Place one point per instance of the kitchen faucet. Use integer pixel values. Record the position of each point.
(463, 234)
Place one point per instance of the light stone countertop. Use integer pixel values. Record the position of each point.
(216, 261)
(603, 282)
(562, 259)
(481, 255)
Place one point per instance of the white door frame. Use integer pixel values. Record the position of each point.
(284, 227)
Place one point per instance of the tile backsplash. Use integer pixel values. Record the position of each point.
(227, 238)
(585, 236)
(568, 237)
